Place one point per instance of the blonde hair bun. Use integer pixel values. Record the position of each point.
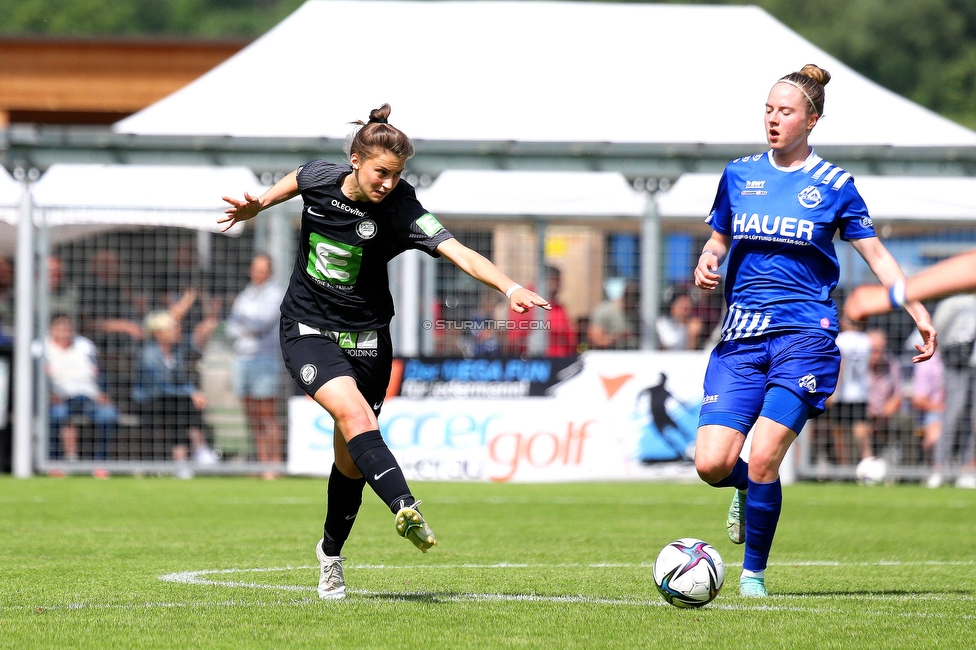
(816, 73)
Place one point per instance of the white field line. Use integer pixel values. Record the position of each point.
(206, 577)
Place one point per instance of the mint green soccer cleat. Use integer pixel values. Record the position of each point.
(752, 587)
(736, 522)
(411, 525)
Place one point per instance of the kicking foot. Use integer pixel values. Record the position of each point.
(410, 524)
(736, 521)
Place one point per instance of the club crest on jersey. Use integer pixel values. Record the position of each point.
(809, 197)
(366, 228)
(867, 222)
(808, 383)
(308, 373)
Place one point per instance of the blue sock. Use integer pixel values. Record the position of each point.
(763, 505)
(739, 478)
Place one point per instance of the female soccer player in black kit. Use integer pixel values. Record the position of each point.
(335, 317)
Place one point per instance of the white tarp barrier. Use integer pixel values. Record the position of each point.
(532, 193)
(541, 72)
(624, 415)
(140, 195)
(887, 197)
(10, 195)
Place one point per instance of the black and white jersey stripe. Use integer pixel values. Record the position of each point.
(744, 323)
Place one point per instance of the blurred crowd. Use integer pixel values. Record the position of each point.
(124, 376)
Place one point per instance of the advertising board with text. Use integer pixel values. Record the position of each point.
(601, 416)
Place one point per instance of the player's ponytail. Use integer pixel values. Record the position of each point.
(811, 80)
(377, 136)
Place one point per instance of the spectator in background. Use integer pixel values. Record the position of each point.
(609, 326)
(928, 399)
(253, 324)
(483, 339)
(561, 337)
(884, 394)
(72, 370)
(107, 317)
(184, 289)
(678, 329)
(955, 320)
(847, 408)
(632, 315)
(169, 399)
(62, 298)
(6, 299)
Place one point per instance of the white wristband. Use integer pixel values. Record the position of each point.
(512, 289)
(896, 295)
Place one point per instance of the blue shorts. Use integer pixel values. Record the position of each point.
(741, 372)
(257, 377)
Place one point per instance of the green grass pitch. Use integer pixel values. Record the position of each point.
(229, 563)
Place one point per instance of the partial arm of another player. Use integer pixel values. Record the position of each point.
(286, 188)
(886, 269)
(480, 268)
(952, 275)
(714, 251)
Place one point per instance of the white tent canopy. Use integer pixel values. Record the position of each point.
(10, 193)
(139, 195)
(533, 72)
(78, 200)
(887, 197)
(532, 193)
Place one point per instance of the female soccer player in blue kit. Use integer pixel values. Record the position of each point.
(773, 220)
(335, 317)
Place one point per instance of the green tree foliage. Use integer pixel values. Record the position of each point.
(922, 49)
(175, 18)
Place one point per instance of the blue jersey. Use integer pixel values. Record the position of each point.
(781, 262)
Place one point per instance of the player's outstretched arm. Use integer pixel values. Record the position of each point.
(249, 208)
(955, 274)
(886, 269)
(481, 268)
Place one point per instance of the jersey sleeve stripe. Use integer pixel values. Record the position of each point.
(823, 168)
(813, 162)
(840, 181)
(829, 177)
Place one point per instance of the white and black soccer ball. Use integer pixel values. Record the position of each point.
(689, 572)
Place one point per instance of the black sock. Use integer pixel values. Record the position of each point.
(345, 497)
(376, 462)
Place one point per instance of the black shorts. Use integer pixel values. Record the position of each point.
(847, 413)
(172, 415)
(314, 356)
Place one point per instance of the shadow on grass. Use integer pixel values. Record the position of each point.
(415, 597)
(897, 593)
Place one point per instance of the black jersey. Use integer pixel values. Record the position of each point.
(340, 280)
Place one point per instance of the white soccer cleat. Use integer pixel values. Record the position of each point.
(735, 523)
(966, 481)
(934, 481)
(410, 524)
(332, 584)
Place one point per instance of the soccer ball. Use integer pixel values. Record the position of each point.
(871, 471)
(689, 572)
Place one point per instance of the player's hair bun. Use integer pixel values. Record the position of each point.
(816, 73)
(380, 115)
